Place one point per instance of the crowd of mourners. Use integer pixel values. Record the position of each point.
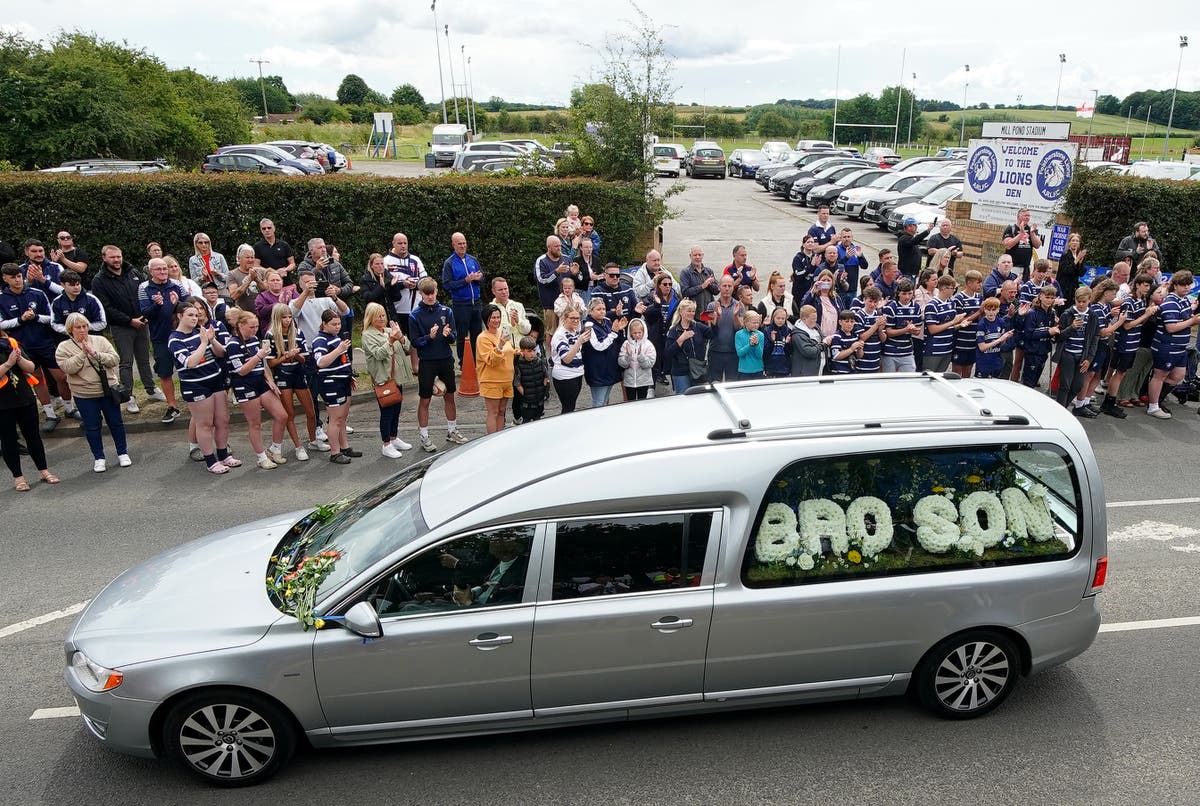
(273, 335)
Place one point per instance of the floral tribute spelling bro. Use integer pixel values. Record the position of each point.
(899, 511)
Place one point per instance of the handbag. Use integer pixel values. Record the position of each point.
(388, 393)
(116, 392)
(697, 367)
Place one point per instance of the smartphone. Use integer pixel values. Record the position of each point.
(935, 220)
(322, 287)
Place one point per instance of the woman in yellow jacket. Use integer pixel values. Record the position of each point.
(386, 348)
(83, 357)
(496, 354)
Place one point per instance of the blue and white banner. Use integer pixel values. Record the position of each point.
(1019, 173)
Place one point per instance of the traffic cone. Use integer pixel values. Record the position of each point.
(468, 384)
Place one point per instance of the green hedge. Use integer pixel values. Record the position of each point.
(506, 220)
(1104, 208)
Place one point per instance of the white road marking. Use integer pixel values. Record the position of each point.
(55, 713)
(1190, 548)
(1153, 624)
(1152, 502)
(1152, 530)
(46, 618)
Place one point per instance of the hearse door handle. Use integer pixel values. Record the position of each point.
(671, 623)
(489, 640)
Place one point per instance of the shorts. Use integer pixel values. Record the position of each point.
(965, 358)
(290, 378)
(164, 360)
(939, 363)
(42, 357)
(1170, 360)
(495, 391)
(1122, 362)
(248, 387)
(1100, 362)
(197, 391)
(430, 368)
(335, 391)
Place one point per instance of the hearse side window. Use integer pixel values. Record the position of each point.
(914, 511)
(607, 556)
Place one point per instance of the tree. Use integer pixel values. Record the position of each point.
(773, 124)
(80, 96)
(407, 95)
(1108, 105)
(352, 90)
(279, 100)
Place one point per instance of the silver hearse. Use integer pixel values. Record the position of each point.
(750, 544)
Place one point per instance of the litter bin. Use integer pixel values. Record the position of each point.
(429, 161)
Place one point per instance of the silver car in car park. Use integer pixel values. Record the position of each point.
(943, 545)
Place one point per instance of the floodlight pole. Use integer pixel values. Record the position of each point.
(1062, 60)
(899, 98)
(911, 100)
(1171, 115)
(450, 59)
(437, 41)
(962, 132)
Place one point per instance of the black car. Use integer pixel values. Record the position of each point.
(828, 193)
(783, 187)
(799, 160)
(246, 163)
(798, 192)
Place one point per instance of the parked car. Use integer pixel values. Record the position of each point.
(668, 158)
(465, 159)
(706, 160)
(1153, 169)
(277, 154)
(879, 205)
(798, 160)
(929, 209)
(740, 583)
(230, 162)
(924, 162)
(850, 202)
(814, 145)
(828, 193)
(798, 187)
(98, 166)
(956, 152)
(329, 157)
(745, 162)
(774, 149)
(882, 156)
(781, 184)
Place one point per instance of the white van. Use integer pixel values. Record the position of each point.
(448, 140)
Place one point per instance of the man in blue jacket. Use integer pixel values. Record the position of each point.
(25, 316)
(463, 278)
(157, 298)
(40, 272)
(74, 299)
(431, 330)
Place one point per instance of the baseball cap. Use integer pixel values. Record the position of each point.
(909, 220)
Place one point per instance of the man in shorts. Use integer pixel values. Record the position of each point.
(25, 316)
(431, 329)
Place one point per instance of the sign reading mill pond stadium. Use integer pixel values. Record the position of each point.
(1019, 173)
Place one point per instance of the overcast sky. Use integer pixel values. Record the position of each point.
(725, 53)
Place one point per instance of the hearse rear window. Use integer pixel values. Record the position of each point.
(914, 511)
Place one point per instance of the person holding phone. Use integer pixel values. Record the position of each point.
(289, 353)
(1019, 240)
(332, 355)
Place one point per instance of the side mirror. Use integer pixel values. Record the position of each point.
(363, 620)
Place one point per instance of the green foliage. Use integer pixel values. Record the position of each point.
(279, 100)
(353, 91)
(1104, 208)
(408, 115)
(773, 124)
(506, 220)
(325, 111)
(1108, 105)
(1158, 104)
(81, 96)
(408, 95)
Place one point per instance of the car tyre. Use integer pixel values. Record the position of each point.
(968, 675)
(720, 176)
(229, 737)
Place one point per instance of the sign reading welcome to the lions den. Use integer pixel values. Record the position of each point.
(1019, 173)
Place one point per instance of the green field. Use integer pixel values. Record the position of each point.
(1101, 124)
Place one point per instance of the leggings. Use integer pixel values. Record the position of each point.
(636, 392)
(26, 418)
(1070, 379)
(568, 392)
(389, 421)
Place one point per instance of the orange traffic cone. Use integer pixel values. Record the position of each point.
(468, 384)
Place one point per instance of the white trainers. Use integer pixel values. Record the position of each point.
(132, 406)
(265, 463)
(319, 446)
(301, 454)
(456, 437)
(158, 395)
(124, 461)
(349, 430)
(400, 444)
(100, 466)
(427, 445)
(1159, 413)
(321, 435)
(276, 456)
(391, 452)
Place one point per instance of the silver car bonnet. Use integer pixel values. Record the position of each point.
(205, 595)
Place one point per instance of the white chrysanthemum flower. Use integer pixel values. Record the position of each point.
(856, 525)
(937, 524)
(989, 504)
